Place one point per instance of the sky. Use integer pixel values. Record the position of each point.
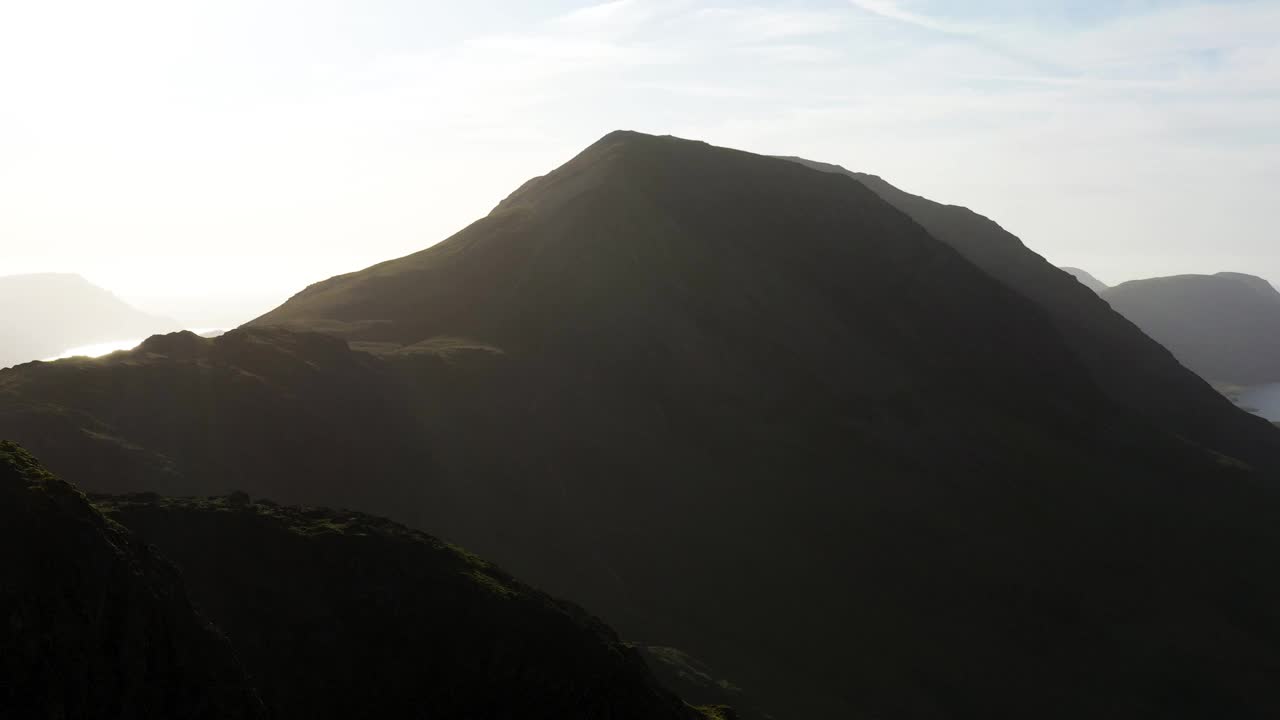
(206, 160)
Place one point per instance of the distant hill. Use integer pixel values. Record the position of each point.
(755, 412)
(45, 314)
(1226, 327)
(1086, 279)
(95, 624)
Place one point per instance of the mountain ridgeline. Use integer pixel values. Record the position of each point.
(1128, 365)
(865, 455)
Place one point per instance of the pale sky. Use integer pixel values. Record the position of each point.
(224, 154)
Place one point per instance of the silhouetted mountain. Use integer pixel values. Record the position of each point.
(92, 623)
(1129, 366)
(343, 615)
(46, 314)
(1226, 326)
(752, 411)
(1086, 279)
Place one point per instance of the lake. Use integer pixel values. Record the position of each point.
(1262, 399)
(106, 348)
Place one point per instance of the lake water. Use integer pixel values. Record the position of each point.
(106, 348)
(1263, 400)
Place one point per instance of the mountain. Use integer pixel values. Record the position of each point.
(753, 411)
(339, 614)
(1127, 365)
(1086, 279)
(95, 625)
(1226, 327)
(46, 314)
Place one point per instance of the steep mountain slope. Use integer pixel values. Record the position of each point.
(1226, 326)
(752, 411)
(339, 615)
(43, 315)
(1086, 279)
(92, 623)
(1128, 365)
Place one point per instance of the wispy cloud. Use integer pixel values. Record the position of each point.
(894, 10)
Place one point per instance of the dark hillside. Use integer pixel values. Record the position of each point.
(93, 625)
(339, 615)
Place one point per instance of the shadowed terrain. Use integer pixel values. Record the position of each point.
(339, 614)
(753, 411)
(92, 623)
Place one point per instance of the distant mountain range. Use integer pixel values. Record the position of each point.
(865, 454)
(43, 315)
(1226, 326)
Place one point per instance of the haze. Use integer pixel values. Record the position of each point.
(206, 160)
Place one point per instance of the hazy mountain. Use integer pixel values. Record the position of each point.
(45, 314)
(1086, 279)
(1226, 326)
(95, 624)
(1129, 366)
(751, 410)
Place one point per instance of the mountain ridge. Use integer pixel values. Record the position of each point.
(1131, 367)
